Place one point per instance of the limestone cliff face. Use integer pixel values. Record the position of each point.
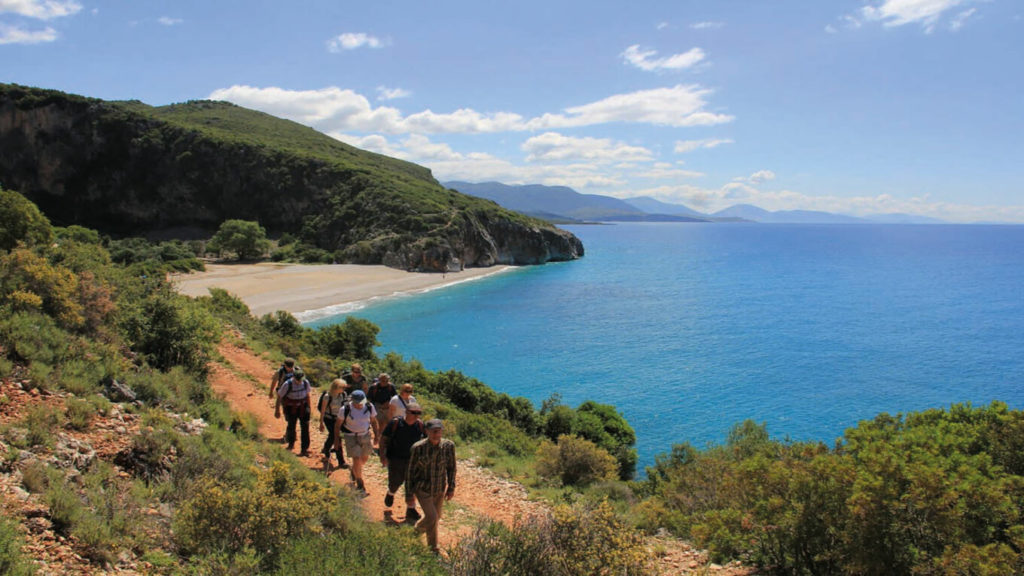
(125, 170)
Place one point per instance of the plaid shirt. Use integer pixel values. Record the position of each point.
(432, 468)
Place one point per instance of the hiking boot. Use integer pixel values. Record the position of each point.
(304, 453)
(389, 499)
(342, 465)
(360, 486)
(412, 514)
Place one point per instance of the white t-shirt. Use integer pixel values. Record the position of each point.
(399, 406)
(358, 417)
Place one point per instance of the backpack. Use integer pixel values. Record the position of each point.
(348, 410)
(286, 401)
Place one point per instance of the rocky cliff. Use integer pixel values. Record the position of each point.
(126, 168)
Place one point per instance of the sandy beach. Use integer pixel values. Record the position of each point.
(310, 290)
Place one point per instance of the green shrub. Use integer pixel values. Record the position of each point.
(575, 461)
(79, 413)
(12, 561)
(572, 541)
(64, 504)
(363, 551)
(34, 477)
(279, 507)
(41, 421)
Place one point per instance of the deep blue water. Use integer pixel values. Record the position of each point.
(690, 328)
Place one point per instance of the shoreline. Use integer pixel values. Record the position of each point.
(313, 291)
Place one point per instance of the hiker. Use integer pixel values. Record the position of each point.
(282, 373)
(331, 403)
(431, 477)
(354, 423)
(399, 402)
(380, 394)
(396, 441)
(355, 380)
(294, 395)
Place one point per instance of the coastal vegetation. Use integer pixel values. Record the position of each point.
(938, 492)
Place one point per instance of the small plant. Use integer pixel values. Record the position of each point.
(79, 413)
(12, 563)
(41, 421)
(575, 461)
(34, 477)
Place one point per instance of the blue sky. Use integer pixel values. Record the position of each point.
(858, 107)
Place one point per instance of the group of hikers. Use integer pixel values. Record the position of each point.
(361, 419)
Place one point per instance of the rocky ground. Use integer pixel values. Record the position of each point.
(241, 378)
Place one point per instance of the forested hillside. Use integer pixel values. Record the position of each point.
(129, 169)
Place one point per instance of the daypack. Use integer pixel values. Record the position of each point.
(348, 410)
(293, 402)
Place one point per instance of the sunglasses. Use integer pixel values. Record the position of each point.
(415, 412)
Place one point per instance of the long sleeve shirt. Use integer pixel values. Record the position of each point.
(432, 468)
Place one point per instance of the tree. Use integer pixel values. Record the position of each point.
(21, 221)
(247, 239)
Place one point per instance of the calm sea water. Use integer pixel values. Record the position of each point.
(690, 328)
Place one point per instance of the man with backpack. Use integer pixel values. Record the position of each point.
(354, 423)
(281, 374)
(395, 443)
(294, 395)
(354, 379)
(380, 394)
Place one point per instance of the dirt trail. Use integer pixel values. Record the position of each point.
(479, 493)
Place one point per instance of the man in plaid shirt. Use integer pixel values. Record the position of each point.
(432, 477)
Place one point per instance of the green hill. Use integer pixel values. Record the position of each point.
(127, 168)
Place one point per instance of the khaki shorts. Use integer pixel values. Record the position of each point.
(358, 445)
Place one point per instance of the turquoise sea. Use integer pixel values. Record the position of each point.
(690, 328)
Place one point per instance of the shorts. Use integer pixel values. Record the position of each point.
(358, 445)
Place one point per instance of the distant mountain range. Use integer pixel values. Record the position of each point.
(565, 205)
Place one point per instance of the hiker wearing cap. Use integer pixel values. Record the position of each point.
(431, 477)
(355, 380)
(281, 374)
(331, 403)
(380, 394)
(396, 441)
(396, 407)
(354, 423)
(294, 395)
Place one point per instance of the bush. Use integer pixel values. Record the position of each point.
(279, 507)
(572, 541)
(575, 461)
(79, 413)
(12, 562)
(354, 338)
(21, 221)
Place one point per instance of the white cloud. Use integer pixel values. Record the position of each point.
(662, 171)
(677, 106)
(168, 21)
(707, 25)
(684, 146)
(354, 40)
(336, 110)
(555, 147)
(662, 25)
(927, 13)
(960, 19)
(761, 176)
(40, 9)
(385, 93)
(646, 59)
(16, 35)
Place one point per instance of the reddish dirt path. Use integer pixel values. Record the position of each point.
(243, 381)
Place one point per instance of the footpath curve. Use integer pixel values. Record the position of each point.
(242, 379)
